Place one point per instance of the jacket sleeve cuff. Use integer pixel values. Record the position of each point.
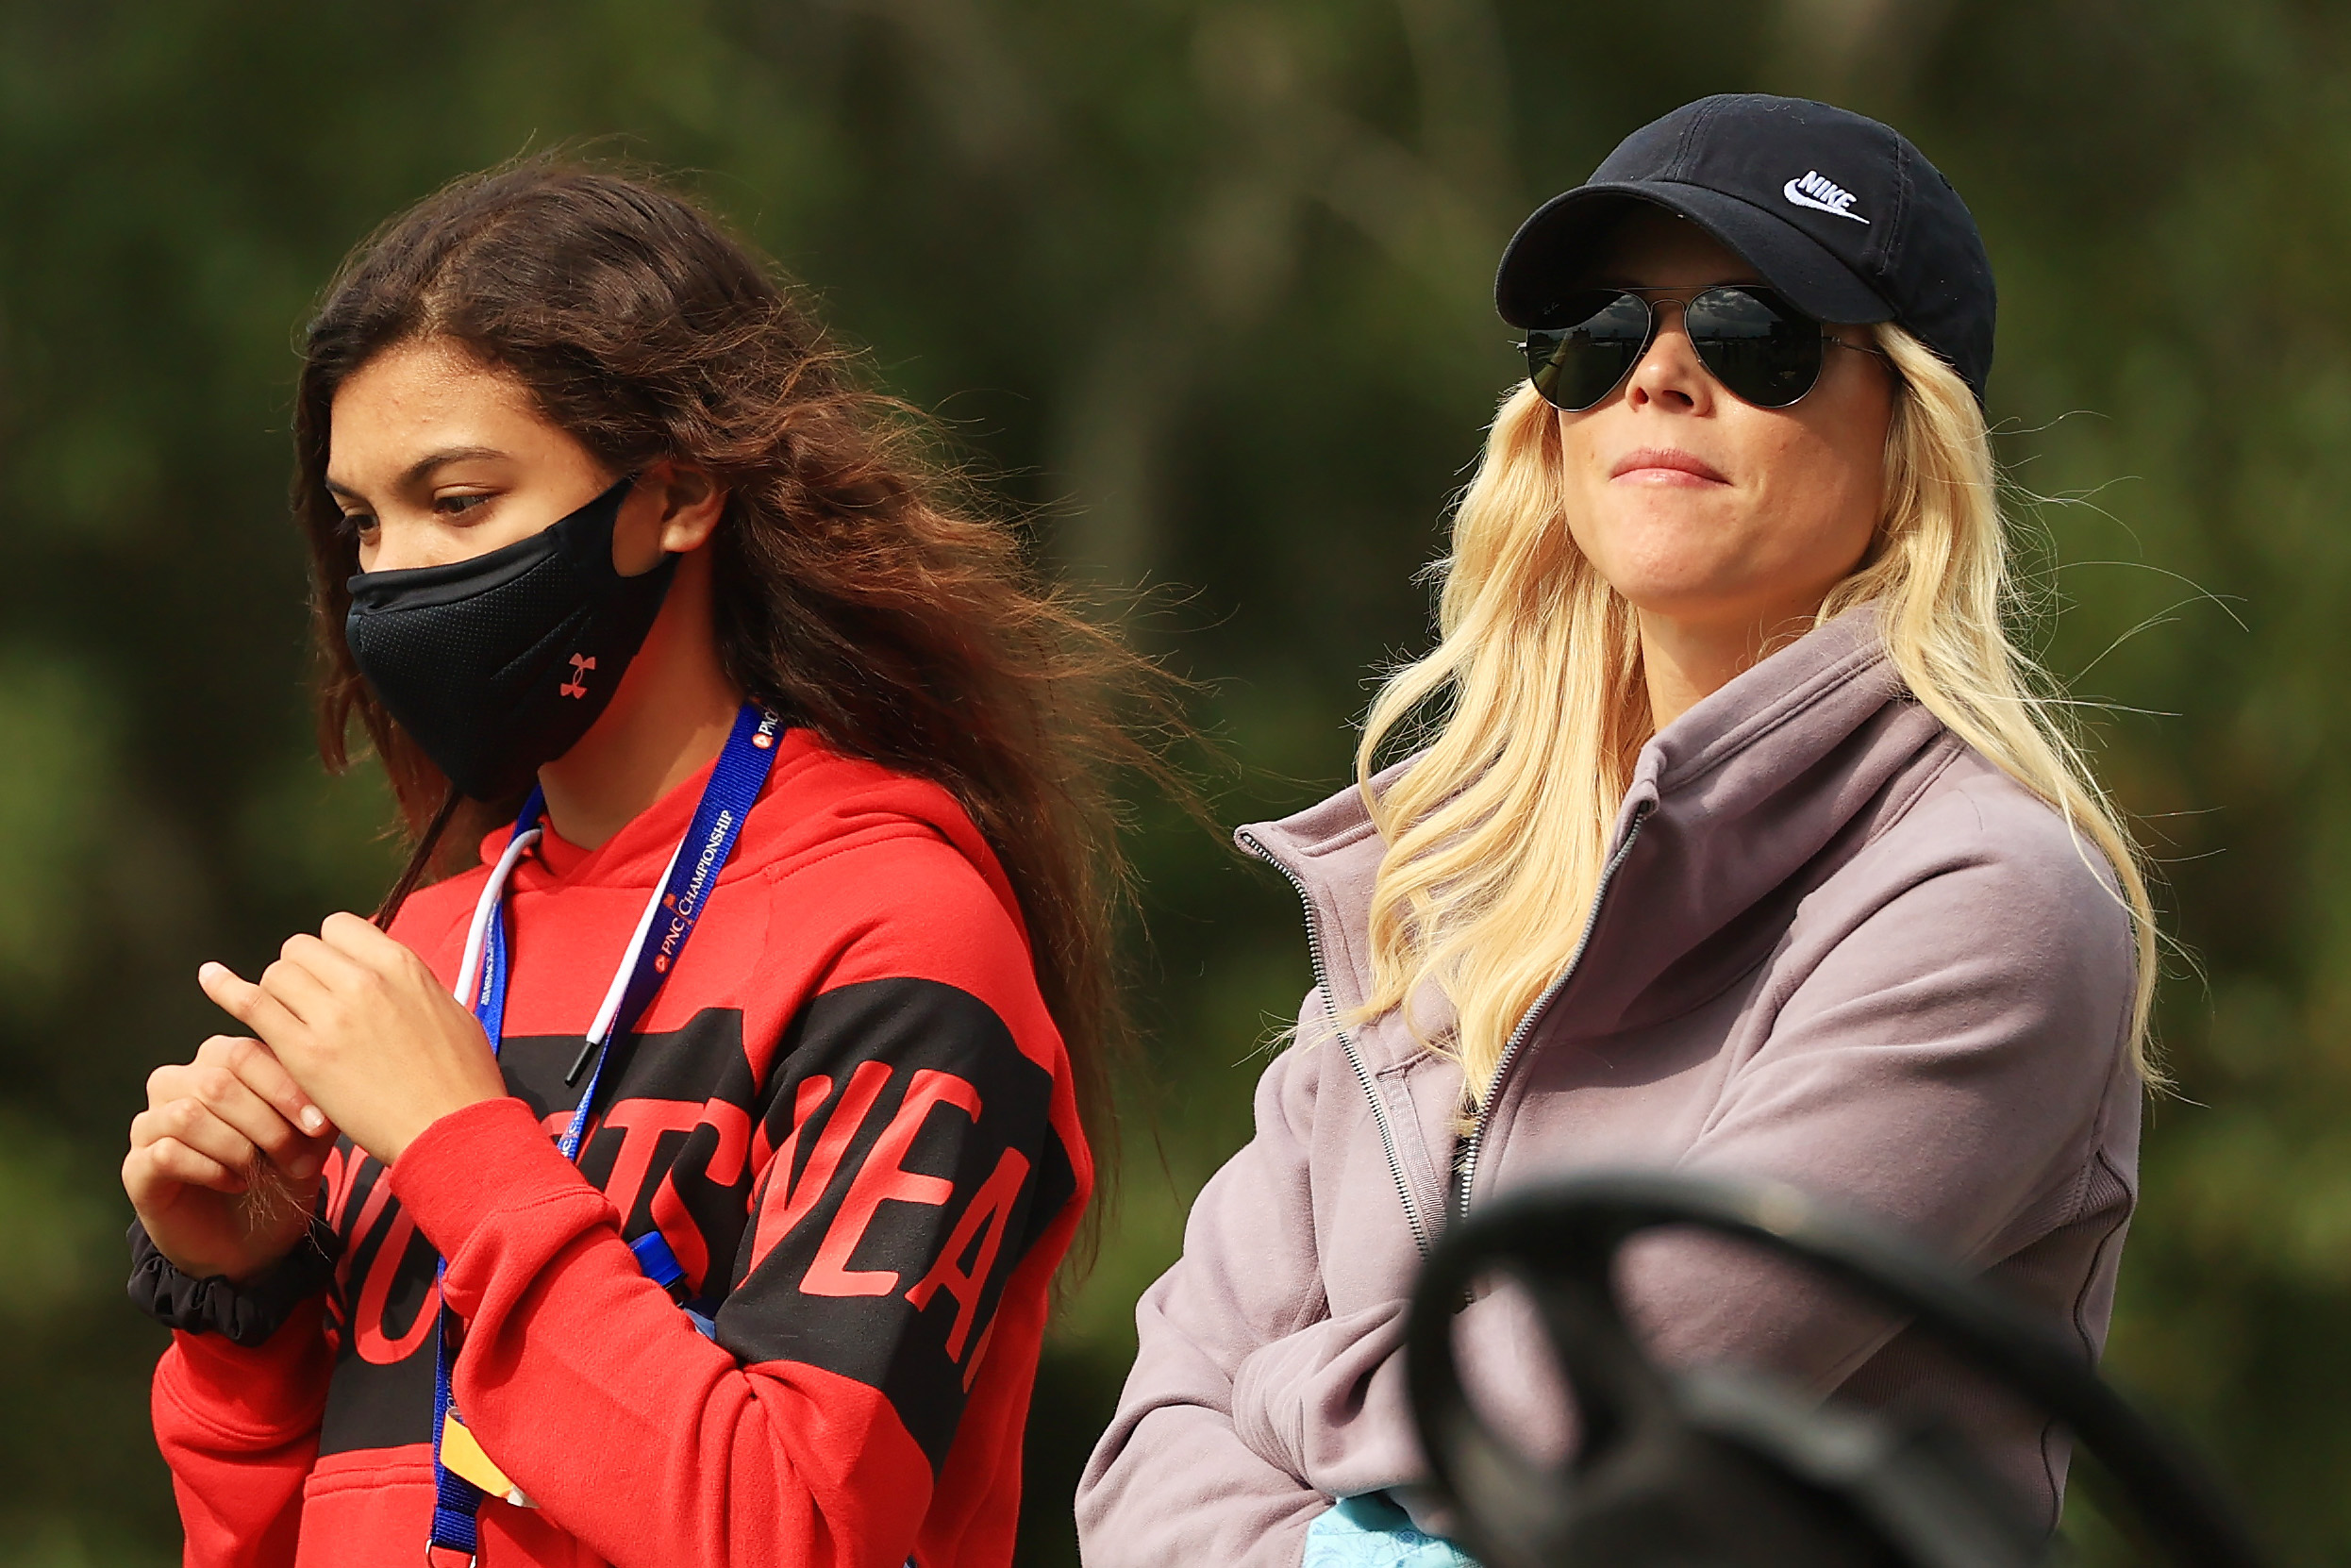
(473, 1165)
(247, 1314)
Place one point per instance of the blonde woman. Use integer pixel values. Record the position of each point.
(1739, 839)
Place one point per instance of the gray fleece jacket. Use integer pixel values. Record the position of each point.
(1837, 948)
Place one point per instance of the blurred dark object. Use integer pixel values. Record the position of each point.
(1728, 1470)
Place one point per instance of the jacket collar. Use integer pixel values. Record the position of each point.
(1733, 813)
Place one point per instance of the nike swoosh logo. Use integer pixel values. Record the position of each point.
(1798, 197)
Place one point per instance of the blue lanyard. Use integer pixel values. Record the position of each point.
(659, 940)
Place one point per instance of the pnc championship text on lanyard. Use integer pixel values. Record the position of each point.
(463, 1475)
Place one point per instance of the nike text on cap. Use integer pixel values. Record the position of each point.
(1836, 211)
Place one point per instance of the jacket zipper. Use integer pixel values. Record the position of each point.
(1362, 1073)
(1465, 1165)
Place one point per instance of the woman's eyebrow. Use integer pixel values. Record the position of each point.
(423, 467)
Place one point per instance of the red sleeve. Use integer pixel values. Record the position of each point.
(911, 1164)
(239, 1428)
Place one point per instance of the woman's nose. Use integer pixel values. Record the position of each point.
(1670, 376)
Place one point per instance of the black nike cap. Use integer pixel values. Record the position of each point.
(1838, 212)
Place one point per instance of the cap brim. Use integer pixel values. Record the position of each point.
(1554, 246)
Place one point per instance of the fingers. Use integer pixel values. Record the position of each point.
(322, 961)
(194, 1128)
(310, 980)
(253, 1072)
(307, 979)
(257, 1067)
(250, 1005)
(360, 941)
(312, 975)
(209, 1122)
(375, 956)
(151, 1171)
(227, 1094)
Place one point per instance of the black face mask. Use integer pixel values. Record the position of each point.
(497, 664)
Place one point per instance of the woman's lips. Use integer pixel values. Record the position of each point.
(1666, 465)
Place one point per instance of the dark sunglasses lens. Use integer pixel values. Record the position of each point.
(1757, 344)
(1577, 366)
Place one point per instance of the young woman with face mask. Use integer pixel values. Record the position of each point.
(683, 1182)
(1740, 838)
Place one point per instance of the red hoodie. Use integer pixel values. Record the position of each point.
(850, 1117)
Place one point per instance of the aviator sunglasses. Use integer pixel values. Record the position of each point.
(1762, 348)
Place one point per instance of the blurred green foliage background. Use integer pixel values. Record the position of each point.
(1206, 282)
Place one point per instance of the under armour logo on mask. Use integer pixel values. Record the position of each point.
(577, 685)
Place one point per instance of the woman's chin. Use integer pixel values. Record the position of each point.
(1678, 573)
(1701, 606)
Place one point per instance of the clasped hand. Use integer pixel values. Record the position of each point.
(349, 1029)
(367, 1031)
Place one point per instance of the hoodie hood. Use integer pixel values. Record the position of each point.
(817, 802)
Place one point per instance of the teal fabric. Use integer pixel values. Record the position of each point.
(1372, 1531)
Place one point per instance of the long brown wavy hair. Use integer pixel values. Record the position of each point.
(860, 586)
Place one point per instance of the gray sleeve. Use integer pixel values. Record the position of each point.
(1953, 1064)
(1174, 1480)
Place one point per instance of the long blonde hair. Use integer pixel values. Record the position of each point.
(1497, 833)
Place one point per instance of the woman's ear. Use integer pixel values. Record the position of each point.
(691, 504)
(675, 508)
